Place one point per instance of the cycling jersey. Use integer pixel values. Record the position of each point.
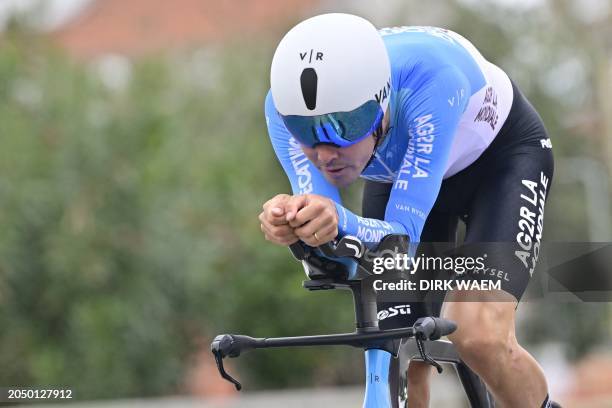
(500, 198)
(447, 104)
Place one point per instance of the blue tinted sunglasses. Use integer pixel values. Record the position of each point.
(339, 128)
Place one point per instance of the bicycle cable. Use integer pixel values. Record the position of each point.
(426, 356)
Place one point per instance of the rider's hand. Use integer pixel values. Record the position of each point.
(274, 222)
(313, 217)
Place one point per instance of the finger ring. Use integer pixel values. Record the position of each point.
(315, 236)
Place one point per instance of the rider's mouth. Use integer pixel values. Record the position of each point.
(335, 171)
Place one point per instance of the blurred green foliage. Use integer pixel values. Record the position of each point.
(130, 232)
(129, 219)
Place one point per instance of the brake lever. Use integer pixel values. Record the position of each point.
(424, 329)
(219, 360)
(221, 347)
(426, 357)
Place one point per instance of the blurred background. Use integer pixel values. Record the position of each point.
(135, 161)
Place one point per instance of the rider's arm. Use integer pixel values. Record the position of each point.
(432, 114)
(306, 178)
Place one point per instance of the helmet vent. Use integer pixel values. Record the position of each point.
(308, 81)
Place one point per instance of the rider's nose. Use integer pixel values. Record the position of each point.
(326, 153)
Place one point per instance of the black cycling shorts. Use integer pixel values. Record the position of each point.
(500, 197)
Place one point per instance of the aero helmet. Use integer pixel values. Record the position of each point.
(331, 79)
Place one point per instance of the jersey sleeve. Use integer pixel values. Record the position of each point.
(432, 114)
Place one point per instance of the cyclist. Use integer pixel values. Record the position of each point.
(439, 134)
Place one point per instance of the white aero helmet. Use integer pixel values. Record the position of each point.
(331, 79)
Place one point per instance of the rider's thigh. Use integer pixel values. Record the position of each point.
(375, 198)
(505, 222)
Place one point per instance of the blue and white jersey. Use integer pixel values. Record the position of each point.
(447, 105)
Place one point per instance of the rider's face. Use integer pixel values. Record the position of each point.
(341, 166)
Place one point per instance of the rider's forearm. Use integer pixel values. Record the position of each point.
(368, 230)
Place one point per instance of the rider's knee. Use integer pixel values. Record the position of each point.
(485, 330)
(489, 346)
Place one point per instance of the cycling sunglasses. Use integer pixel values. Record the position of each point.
(339, 128)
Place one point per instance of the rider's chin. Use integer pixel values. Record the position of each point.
(343, 181)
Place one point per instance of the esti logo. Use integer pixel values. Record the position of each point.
(394, 311)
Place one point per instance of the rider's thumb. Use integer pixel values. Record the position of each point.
(291, 212)
(294, 206)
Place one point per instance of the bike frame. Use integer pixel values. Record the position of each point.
(377, 390)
